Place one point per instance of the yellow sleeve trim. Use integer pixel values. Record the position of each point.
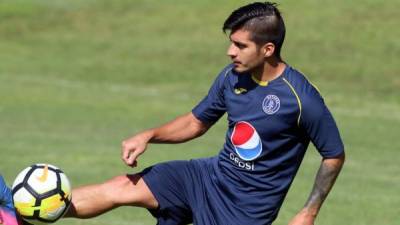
(298, 99)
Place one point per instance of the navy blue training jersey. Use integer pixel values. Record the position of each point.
(270, 126)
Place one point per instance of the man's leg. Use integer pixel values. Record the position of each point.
(93, 200)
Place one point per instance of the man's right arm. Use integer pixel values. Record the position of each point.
(181, 129)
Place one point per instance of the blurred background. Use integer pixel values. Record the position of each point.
(77, 77)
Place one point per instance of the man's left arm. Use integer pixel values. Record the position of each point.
(324, 181)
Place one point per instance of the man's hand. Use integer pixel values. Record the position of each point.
(133, 147)
(7, 211)
(303, 218)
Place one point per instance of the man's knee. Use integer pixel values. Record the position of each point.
(129, 190)
(122, 182)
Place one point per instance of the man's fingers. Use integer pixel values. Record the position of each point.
(131, 149)
(129, 156)
(127, 150)
(125, 154)
(132, 159)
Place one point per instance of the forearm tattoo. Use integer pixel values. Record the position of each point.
(324, 181)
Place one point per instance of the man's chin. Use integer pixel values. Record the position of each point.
(240, 70)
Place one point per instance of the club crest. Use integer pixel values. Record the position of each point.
(271, 104)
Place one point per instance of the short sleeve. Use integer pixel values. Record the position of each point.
(213, 107)
(320, 126)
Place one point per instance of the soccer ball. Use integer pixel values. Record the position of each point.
(41, 194)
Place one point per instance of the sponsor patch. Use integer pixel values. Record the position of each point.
(246, 141)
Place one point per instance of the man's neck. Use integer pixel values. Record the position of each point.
(269, 71)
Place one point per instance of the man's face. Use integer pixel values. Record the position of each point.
(244, 53)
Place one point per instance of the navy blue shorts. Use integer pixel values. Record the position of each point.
(196, 191)
(180, 189)
(167, 183)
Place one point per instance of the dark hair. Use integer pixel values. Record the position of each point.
(263, 20)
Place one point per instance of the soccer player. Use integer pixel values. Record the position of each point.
(7, 211)
(273, 114)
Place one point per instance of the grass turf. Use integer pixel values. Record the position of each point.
(77, 77)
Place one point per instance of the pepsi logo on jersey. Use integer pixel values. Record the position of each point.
(246, 141)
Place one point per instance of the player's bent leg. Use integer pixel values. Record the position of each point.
(93, 200)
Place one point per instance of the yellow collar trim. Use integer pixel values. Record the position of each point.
(259, 82)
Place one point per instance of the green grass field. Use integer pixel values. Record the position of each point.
(77, 77)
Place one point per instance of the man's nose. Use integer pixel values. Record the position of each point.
(232, 51)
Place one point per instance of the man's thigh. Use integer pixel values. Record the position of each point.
(95, 199)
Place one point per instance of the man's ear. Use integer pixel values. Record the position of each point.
(268, 49)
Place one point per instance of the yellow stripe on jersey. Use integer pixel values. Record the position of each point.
(297, 97)
(312, 84)
(259, 82)
(315, 86)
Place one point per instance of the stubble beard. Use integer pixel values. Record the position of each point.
(246, 70)
(241, 69)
